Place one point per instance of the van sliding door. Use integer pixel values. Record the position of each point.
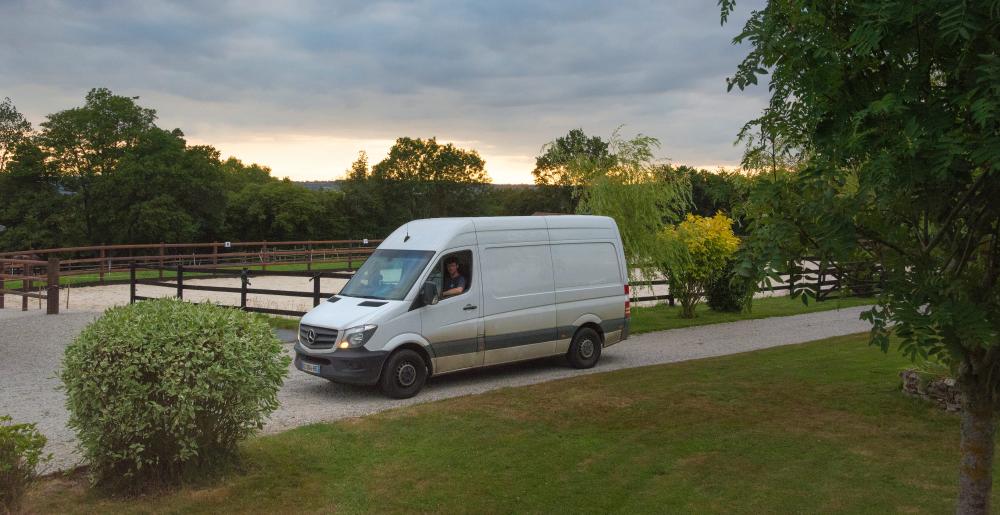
(519, 302)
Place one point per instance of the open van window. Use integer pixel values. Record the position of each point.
(441, 278)
(387, 274)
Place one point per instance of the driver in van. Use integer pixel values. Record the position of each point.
(454, 283)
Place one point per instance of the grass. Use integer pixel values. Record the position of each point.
(813, 428)
(663, 317)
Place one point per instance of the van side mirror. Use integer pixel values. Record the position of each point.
(429, 294)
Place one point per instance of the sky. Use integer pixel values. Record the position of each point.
(302, 86)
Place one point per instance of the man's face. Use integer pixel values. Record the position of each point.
(452, 268)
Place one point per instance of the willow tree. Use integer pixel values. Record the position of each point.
(640, 194)
(895, 106)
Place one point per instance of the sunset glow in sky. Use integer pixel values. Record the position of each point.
(303, 86)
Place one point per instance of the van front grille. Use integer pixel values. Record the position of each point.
(317, 337)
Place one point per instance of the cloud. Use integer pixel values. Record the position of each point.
(511, 74)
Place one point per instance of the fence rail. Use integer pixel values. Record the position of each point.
(103, 262)
(821, 277)
(178, 272)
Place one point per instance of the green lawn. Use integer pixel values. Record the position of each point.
(664, 317)
(813, 428)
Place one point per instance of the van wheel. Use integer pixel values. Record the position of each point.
(585, 349)
(404, 374)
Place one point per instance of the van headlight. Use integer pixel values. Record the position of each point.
(357, 336)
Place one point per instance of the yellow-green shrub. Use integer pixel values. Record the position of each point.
(163, 390)
(698, 249)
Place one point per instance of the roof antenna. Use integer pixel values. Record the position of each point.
(407, 238)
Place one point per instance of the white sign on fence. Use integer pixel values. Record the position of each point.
(228, 244)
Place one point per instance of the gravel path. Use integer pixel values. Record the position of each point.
(31, 347)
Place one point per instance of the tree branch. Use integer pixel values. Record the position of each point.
(954, 212)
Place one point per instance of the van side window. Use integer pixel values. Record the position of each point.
(449, 284)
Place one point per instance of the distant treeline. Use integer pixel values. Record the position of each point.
(104, 173)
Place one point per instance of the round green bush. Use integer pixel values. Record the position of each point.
(163, 390)
(725, 292)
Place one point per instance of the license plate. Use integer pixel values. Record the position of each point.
(309, 367)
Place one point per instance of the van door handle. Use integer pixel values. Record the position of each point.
(469, 307)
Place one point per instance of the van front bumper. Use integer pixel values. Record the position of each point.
(351, 366)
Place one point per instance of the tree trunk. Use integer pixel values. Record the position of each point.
(975, 478)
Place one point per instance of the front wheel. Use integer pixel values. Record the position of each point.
(585, 349)
(404, 374)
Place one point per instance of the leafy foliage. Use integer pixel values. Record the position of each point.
(14, 130)
(552, 166)
(21, 447)
(700, 248)
(727, 291)
(893, 106)
(163, 390)
(634, 191)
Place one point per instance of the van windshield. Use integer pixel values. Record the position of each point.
(387, 274)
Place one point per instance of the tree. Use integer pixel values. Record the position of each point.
(237, 175)
(700, 248)
(894, 105)
(86, 143)
(14, 130)
(161, 191)
(32, 208)
(634, 190)
(551, 167)
(282, 210)
(423, 179)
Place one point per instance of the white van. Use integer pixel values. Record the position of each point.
(524, 288)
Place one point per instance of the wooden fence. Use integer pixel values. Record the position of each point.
(175, 281)
(102, 263)
(819, 276)
(31, 273)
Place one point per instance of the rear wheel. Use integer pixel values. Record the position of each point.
(404, 374)
(585, 349)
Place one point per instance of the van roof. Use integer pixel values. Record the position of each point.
(440, 233)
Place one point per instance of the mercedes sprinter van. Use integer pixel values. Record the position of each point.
(448, 294)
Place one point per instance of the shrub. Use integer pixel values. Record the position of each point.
(699, 248)
(727, 292)
(20, 454)
(163, 390)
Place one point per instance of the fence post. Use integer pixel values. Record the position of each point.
(350, 266)
(180, 281)
(131, 282)
(215, 253)
(25, 287)
(163, 249)
(244, 281)
(100, 267)
(3, 285)
(316, 290)
(52, 295)
(309, 263)
(263, 256)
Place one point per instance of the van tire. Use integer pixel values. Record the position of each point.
(585, 350)
(404, 374)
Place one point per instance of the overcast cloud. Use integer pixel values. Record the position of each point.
(278, 82)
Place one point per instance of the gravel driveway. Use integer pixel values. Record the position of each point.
(31, 347)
